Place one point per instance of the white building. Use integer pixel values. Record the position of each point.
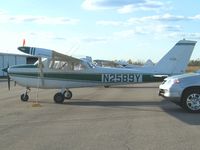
(14, 59)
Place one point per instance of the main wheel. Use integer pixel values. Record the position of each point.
(67, 94)
(24, 97)
(59, 98)
(191, 100)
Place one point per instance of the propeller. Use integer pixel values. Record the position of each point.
(8, 77)
(8, 82)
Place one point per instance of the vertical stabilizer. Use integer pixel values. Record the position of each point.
(177, 59)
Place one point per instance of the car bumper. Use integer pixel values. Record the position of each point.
(170, 91)
(168, 94)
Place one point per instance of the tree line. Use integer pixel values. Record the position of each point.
(195, 62)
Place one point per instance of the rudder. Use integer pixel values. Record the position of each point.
(177, 59)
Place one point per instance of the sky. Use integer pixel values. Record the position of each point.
(102, 29)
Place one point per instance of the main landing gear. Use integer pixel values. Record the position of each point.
(58, 97)
(61, 96)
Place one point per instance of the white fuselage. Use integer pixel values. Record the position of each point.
(30, 76)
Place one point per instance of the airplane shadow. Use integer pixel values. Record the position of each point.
(104, 103)
(132, 87)
(166, 106)
(182, 115)
(142, 85)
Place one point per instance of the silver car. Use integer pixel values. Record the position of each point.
(183, 88)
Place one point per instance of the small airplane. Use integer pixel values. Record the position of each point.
(54, 70)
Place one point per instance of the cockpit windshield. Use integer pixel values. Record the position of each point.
(43, 61)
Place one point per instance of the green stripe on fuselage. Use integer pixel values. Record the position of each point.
(152, 78)
(25, 66)
(62, 76)
(86, 77)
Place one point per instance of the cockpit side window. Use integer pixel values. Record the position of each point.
(79, 67)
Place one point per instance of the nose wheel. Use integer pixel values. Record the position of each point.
(24, 96)
(60, 97)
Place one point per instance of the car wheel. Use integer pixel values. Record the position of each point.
(191, 100)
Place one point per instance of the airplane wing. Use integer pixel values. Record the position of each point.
(47, 53)
(59, 56)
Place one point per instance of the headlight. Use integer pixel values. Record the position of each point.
(172, 81)
(176, 81)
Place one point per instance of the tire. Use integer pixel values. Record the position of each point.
(191, 100)
(59, 98)
(67, 94)
(24, 97)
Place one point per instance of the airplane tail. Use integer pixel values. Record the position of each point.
(177, 59)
